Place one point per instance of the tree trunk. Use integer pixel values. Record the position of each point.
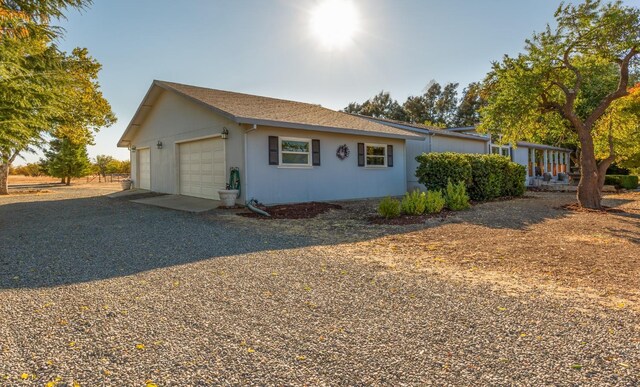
(68, 180)
(589, 195)
(62, 181)
(4, 179)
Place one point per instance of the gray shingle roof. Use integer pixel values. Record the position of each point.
(425, 129)
(253, 109)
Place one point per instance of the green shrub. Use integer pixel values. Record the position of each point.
(456, 196)
(435, 201)
(389, 208)
(414, 203)
(514, 180)
(622, 181)
(486, 177)
(436, 169)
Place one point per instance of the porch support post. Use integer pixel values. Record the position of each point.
(532, 155)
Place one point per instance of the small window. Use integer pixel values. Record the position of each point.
(376, 155)
(295, 152)
(503, 150)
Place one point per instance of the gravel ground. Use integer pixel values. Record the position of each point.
(107, 292)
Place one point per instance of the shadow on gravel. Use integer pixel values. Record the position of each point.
(52, 243)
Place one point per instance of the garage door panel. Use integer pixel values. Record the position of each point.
(202, 168)
(144, 168)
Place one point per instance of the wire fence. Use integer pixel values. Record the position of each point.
(108, 178)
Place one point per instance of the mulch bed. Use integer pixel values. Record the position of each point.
(293, 211)
(408, 219)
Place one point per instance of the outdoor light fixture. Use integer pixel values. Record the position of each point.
(225, 133)
(133, 149)
(159, 144)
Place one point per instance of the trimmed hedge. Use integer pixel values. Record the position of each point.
(486, 177)
(435, 170)
(622, 181)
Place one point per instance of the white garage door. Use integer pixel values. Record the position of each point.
(144, 168)
(202, 168)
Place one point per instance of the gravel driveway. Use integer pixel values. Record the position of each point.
(106, 292)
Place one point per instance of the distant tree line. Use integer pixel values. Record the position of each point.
(66, 160)
(438, 106)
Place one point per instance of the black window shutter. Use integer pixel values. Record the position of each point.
(361, 154)
(389, 155)
(315, 152)
(273, 150)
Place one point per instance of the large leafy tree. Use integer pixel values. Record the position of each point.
(562, 85)
(43, 91)
(380, 106)
(66, 159)
(437, 106)
(102, 164)
(468, 110)
(617, 132)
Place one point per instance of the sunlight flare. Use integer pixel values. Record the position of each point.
(334, 23)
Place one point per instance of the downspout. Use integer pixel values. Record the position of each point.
(246, 162)
(431, 134)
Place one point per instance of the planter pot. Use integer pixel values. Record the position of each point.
(228, 197)
(125, 184)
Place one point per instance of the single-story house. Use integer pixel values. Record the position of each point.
(538, 159)
(437, 140)
(186, 140)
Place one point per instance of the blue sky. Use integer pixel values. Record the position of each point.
(265, 47)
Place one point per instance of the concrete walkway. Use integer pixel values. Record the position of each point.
(128, 192)
(181, 203)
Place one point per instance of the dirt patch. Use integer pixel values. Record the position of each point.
(528, 243)
(408, 219)
(294, 211)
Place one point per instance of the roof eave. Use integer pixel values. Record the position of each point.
(320, 128)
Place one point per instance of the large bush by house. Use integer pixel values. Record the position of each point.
(435, 170)
(485, 176)
(622, 181)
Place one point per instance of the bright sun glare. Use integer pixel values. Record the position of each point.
(334, 23)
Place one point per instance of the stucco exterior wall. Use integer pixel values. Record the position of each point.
(334, 179)
(520, 155)
(457, 145)
(173, 119)
(414, 149)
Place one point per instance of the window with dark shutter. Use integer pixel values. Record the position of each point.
(361, 154)
(273, 150)
(389, 155)
(315, 152)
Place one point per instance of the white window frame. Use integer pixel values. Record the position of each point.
(384, 146)
(500, 149)
(290, 165)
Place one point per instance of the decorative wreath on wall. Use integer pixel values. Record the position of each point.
(343, 152)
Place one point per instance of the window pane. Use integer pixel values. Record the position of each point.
(293, 158)
(295, 146)
(495, 150)
(375, 150)
(375, 160)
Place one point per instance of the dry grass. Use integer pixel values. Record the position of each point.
(518, 244)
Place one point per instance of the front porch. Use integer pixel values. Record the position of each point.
(548, 167)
